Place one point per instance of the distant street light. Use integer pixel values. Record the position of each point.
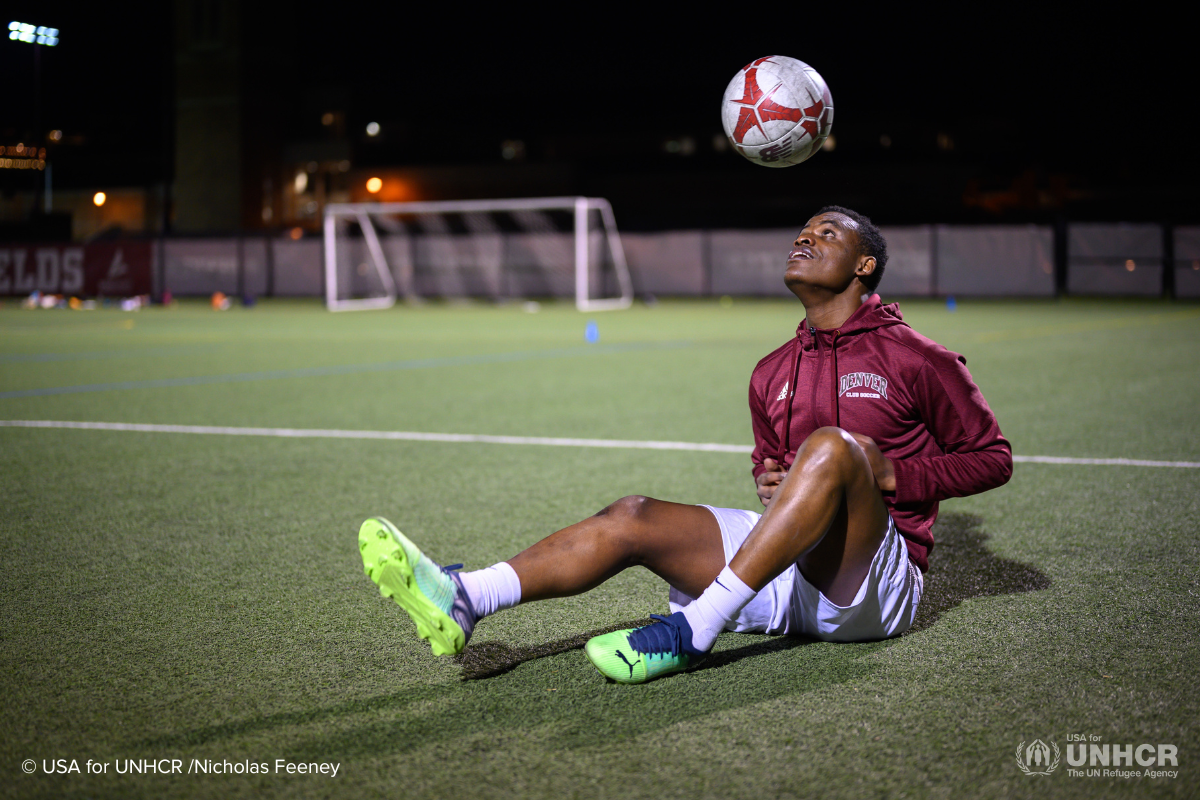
(32, 34)
(99, 199)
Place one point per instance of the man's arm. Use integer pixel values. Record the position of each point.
(976, 457)
(767, 471)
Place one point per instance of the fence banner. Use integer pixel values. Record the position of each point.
(909, 270)
(1187, 261)
(229, 265)
(668, 263)
(750, 262)
(1115, 259)
(109, 269)
(995, 260)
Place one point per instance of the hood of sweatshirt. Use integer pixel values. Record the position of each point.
(871, 315)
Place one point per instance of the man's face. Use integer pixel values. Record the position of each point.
(825, 254)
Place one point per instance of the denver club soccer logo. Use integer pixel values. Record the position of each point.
(863, 384)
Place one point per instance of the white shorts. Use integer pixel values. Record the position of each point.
(885, 605)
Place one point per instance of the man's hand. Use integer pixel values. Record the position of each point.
(885, 475)
(768, 480)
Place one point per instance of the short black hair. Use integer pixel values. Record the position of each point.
(870, 243)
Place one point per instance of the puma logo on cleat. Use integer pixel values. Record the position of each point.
(621, 656)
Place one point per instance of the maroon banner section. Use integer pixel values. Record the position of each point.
(109, 269)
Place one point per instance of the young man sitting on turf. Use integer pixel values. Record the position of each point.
(861, 425)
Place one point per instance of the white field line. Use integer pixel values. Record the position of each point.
(412, 436)
(1108, 462)
(475, 438)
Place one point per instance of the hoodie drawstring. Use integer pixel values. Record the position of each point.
(787, 431)
(833, 385)
(812, 400)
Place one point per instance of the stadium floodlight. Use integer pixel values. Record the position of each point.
(521, 247)
(32, 34)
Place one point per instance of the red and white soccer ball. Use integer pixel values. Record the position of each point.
(777, 111)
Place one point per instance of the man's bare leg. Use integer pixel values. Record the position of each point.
(827, 516)
(679, 543)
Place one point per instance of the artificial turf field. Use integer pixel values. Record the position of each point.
(200, 596)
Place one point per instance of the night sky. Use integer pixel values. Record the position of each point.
(1097, 110)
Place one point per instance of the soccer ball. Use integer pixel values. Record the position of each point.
(777, 111)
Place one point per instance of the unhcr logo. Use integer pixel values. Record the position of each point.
(1035, 759)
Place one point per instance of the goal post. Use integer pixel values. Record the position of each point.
(378, 252)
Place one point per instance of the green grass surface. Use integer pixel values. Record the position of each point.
(201, 597)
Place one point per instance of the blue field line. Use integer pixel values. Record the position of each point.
(154, 352)
(349, 369)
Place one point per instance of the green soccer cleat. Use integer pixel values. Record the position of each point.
(432, 594)
(638, 655)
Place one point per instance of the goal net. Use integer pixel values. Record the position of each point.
(495, 249)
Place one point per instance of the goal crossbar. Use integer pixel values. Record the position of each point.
(581, 207)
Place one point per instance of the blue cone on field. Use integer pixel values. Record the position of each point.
(591, 333)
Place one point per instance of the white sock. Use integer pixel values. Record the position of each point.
(721, 602)
(492, 589)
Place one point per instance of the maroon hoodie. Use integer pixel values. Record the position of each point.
(876, 376)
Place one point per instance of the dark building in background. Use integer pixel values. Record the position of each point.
(207, 190)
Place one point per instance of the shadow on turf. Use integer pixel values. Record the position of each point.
(489, 659)
(961, 567)
(573, 707)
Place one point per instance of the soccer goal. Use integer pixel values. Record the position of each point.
(497, 249)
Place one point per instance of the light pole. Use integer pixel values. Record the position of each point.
(38, 36)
